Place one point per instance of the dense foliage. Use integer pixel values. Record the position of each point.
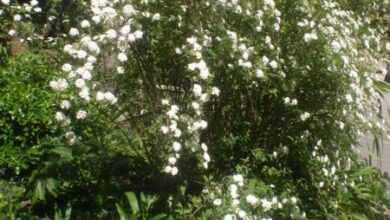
(220, 109)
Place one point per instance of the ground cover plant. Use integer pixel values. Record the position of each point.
(220, 109)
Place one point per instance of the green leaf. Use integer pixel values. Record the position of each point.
(121, 212)
(68, 212)
(51, 186)
(132, 198)
(39, 191)
(64, 152)
(158, 217)
(359, 216)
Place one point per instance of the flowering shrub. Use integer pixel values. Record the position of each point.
(225, 109)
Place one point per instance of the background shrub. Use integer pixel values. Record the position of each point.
(286, 89)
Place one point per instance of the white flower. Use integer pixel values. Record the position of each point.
(156, 17)
(110, 98)
(348, 98)
(99, 96)
(111, 34)
(204, 147)
(6, 2)
(233, 191)
(239, 179)
(125, 30)
(164, 129)
(37, 9)
(91, 59)
(251, 199)
(17, 17)
(204, 73)
(206, 157)
(341, 125)
(11, 32)
(294, 102)
(122, 57)
(80, 83)
(269, 3)
(71, 137)
(204, 97)
(203, 124)
(81, 114)
(138, 34)
(173, 111)
(273, 64)
(120, 70)
(265, 60)
(267, 205)
(286, 100)
(172, 160)
(195, 105)
(235, 202)
(215, 91)
(59, 85)
(128, 10)
(85, 24)
(60, 116)
(96, 19)
(168, 169)
(242, 214)
(73, 32)
(86, 75)
(197, 90)
(321, 184)
(259, 73)
(81, 54)
(177, 133)
(131, 38)
(217, 202)
(165, 101)
(332, 170)
(68, 48)
(173, 126)
(178, 50)
(93, 47)
(387, 46)
(293, 200)
(174, 171)
(228, 217)
(84, 94)
(65, 104)
(335, 46)
(176, 146)
(33, 2)
(192, 66)
(305, 116)
(66, 67)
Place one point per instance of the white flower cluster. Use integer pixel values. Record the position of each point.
(59, 85)
(341, 28)
(201, 95)
(22, 12)
(237, 210)
(172, 128)
(247, 55)
(332, 168)
(106, 97)
(116, 30)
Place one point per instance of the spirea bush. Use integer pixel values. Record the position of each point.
(223, 109)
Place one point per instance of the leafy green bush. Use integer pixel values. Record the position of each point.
(26, 118)
(216, 109)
